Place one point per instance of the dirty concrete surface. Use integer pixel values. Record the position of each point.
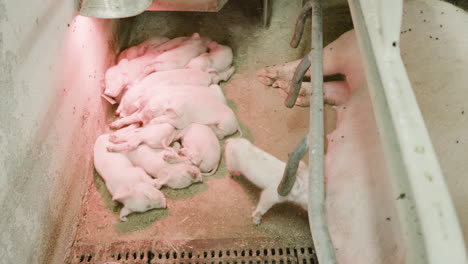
(221, 206)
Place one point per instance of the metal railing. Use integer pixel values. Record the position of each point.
(427, 206)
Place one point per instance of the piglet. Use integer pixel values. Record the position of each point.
(128, 185)
(266, 172)
(217, 62)
(200, 147)
(212, 92)
(175, 176)
(219, 58)
(183, 110)
(179, 57)
(158, 79)
(155, 136)
(119, 76)
(171, 44)
(140, 49)
(128, 72)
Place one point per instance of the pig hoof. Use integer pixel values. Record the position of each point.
(115, 125)
(257, 220)
(183, 152)
(110, 148)
(277, 84)
(169, 158)
(115, 139)
(157, 184)
(265, 80)
(123, 219)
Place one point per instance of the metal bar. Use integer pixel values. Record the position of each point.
(300, 23)
(431, 230)
(316, 210)
(266, 12)
(296, 82)
(289, 175)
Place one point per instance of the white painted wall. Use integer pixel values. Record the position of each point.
(52, 63)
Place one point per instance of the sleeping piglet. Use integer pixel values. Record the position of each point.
(176, 176)
(140, 49)
(200, 147)
(217, 62)
(158, 79)
(146, 106)
(183, 110)
(155, 136)
(219, 58)
(179, 57)
(126, 72)
(266, 172)
(119, 76)
(128, 185)
(153, 44)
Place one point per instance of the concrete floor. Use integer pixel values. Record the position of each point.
(221, 206)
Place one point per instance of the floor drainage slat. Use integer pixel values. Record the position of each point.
(203, 251)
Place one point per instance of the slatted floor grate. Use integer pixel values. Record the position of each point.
(219, 251)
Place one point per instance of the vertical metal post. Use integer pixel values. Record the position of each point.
(317, 217)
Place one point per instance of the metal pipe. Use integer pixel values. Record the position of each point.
(316, 210)
(266, 12)
(289, 175)
(296, 82)
(300, 23)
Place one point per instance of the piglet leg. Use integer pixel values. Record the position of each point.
(163, 119)
(268, 198)
(134, 118)
(222, 76)
(124, 212)
(130, 145)
(172, 157)
(158, 184)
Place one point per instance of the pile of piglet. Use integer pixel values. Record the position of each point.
(171, 115)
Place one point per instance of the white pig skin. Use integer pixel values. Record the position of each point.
(140, 49)
(151, 104)
(181, 111)
(128, 185)
(161, 79)
(217, 77)
(155, 136)
(119, 76)
(178, 57)
(200, 147)
(178, 176)
(266, 172)
(218, 59)
(128, 72)
(171, 44)
(184, 109)
(175, 176)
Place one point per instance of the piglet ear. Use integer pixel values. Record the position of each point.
(213, 45)
(122, 193)
(123, 62)
(195, 36)
(195, 174)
